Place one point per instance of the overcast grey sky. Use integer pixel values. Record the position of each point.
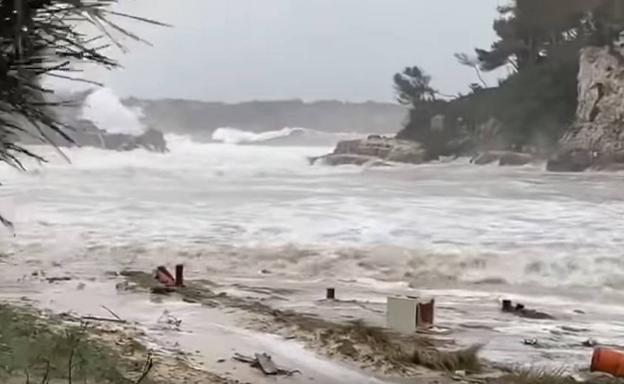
(233, 50)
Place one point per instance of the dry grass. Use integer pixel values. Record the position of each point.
(44, 350)
(543, 376)
(536, 377)
(451, 361)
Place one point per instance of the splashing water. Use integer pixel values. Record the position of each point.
(106, 111)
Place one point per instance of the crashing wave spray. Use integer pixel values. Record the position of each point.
(284, 136)
(106, 111)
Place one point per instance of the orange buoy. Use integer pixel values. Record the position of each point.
(608, 361)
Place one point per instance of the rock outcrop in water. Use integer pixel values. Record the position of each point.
(375, 150)
(85, 133)
(596, 139)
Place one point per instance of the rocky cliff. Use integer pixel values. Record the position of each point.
(596, 139)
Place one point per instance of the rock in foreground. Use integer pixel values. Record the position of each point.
(374, 150)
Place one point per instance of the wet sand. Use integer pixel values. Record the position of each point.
(209, 336)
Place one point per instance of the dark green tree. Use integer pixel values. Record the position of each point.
(413, 86)
(531, 31)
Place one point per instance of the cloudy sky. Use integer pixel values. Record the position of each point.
(234, 50)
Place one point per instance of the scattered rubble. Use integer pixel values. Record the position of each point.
(264, 362)
(169, 320)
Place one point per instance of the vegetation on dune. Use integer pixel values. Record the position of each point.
(36, 350)
(538, 44)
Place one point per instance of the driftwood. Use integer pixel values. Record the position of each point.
(264, 362)
(115, 319)
(111, 312)
(105, 319)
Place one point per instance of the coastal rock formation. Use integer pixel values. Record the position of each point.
(376, 150)
(85, 134)
(504, 158)
(596, 139)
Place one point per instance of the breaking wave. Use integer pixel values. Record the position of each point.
(284, 136)
(105, 110)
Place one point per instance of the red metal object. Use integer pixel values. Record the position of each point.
(179, 278)
(164, 277)
(331, 294)
(608, 361)
(425, 314)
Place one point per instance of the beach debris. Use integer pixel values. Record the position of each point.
(168, 319)
(331, 294)
(111, 312)
(57, 279)
(590, 343)
(103, 319)
(264, 362)
(408, 314)
(179, 277)
(608, 361)
(530, 342)
(507, 306)
(114, 319)
(522, 311)
(165, 277)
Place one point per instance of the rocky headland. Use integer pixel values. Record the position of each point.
(593, 140)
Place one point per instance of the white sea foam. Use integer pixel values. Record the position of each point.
(284, 136)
